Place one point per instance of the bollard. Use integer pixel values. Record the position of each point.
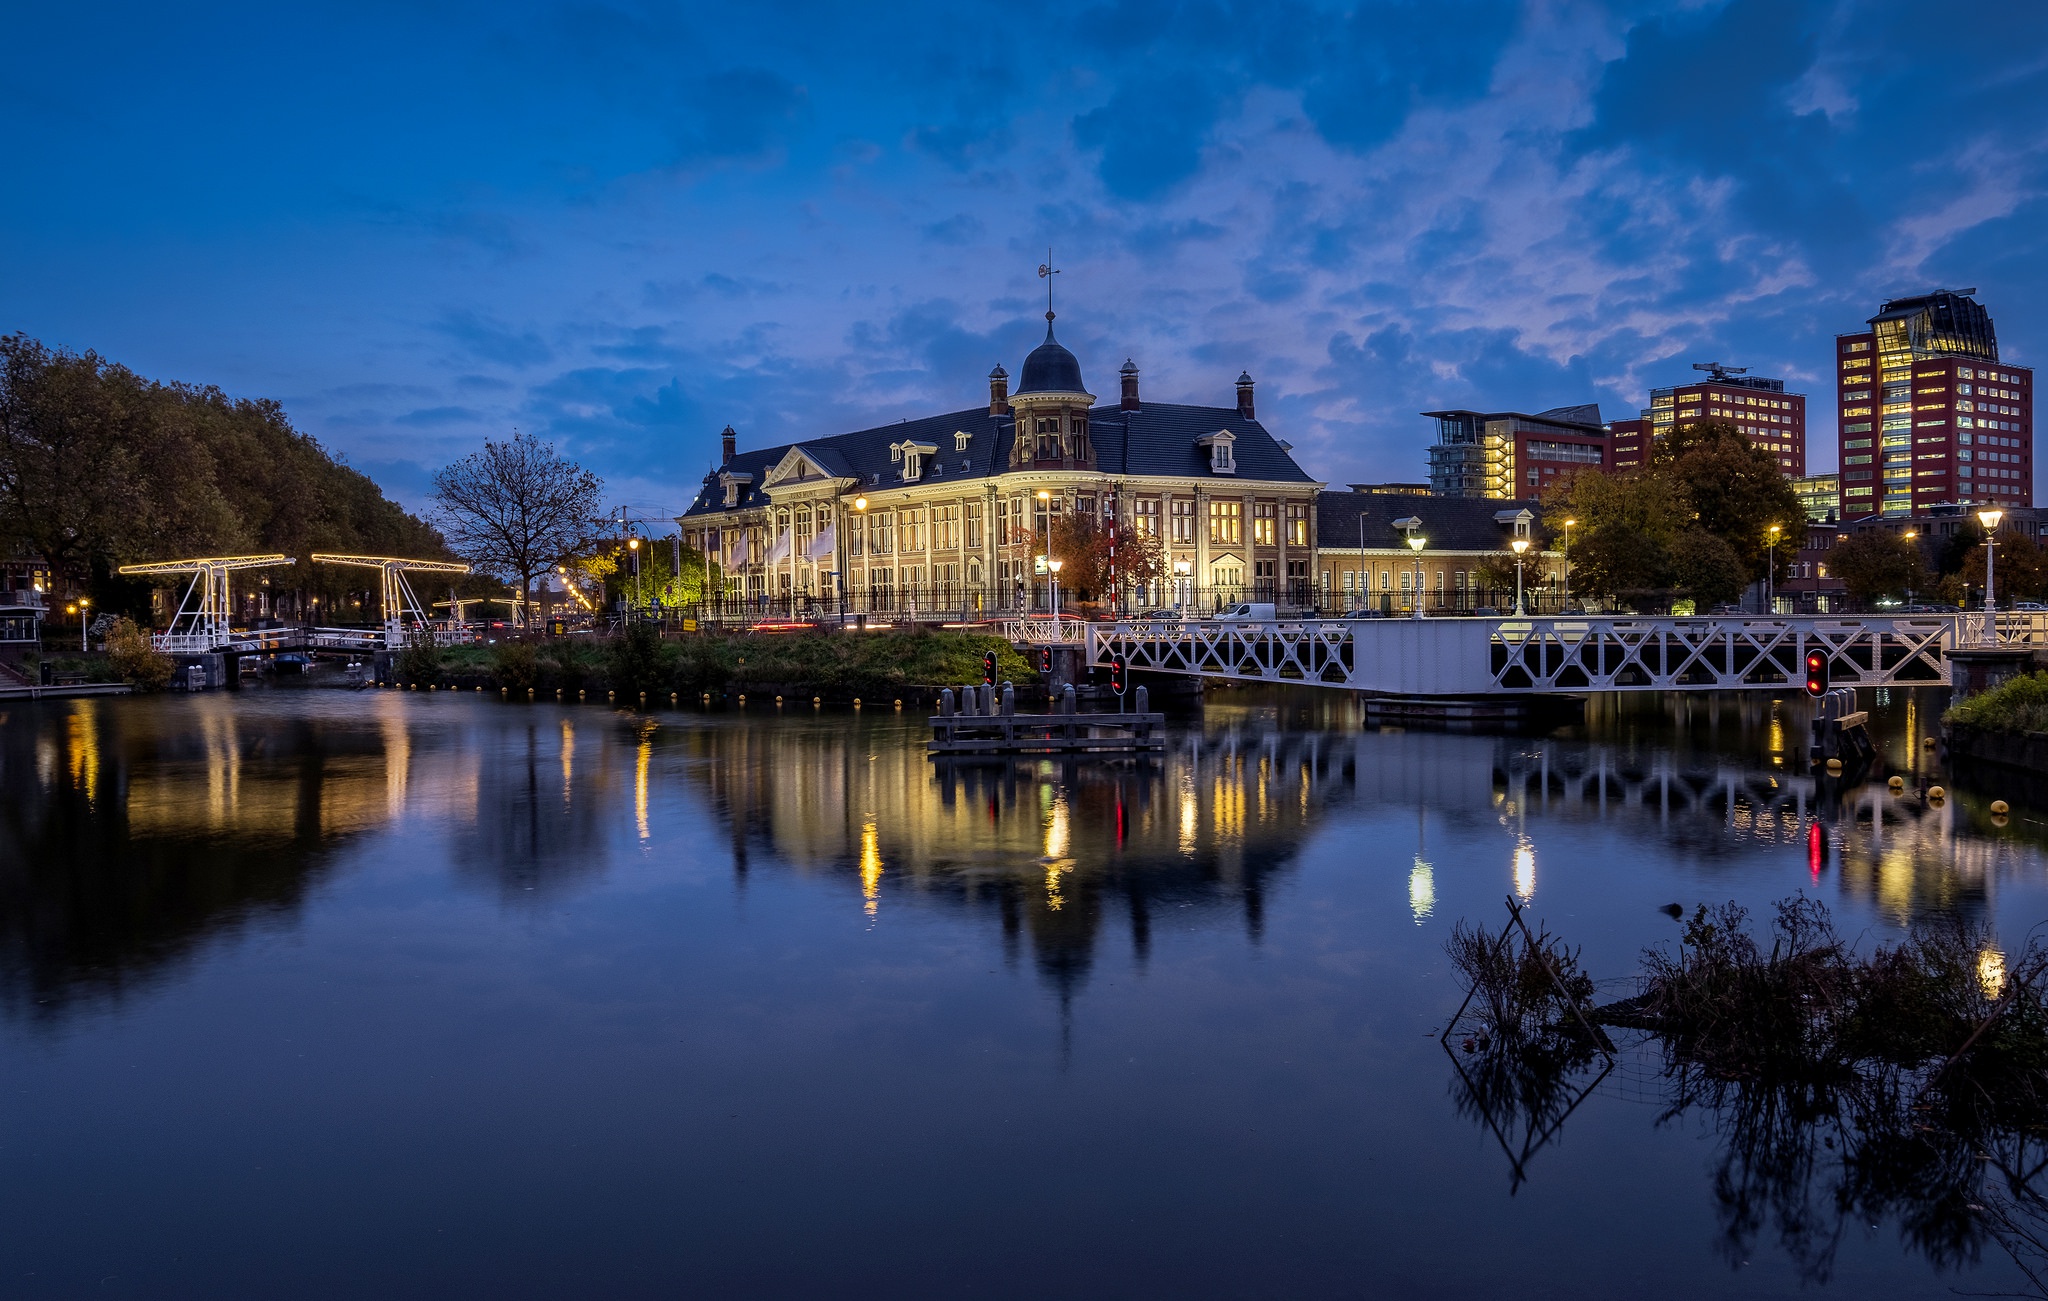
(1896, 784)
(558, 694)
(1009, 700)
(817, 700)
(1068, 701)
(501, 692)
(610, 697)
(1936, 794)
(643, 700)
(529, 693)
(778, 700)
(2000, 807)
(672, 698)
(856, 702)
(743, 700)
(946, 703)
(1144, 701)
(899, 704)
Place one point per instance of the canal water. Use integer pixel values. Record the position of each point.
(317, 994)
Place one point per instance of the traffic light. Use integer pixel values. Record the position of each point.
(1117, 680)
(988, 669)
(1816, 673)
(1045, 660)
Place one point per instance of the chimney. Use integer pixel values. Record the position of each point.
(998, 391)
(1244, 395)
(1130, 374)
(732, 445)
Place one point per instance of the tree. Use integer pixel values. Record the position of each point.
(1877, 563)
(517, 508)
(1706, 568)
(136, 658)
(1627, 524)
(1735, 489)
(1082, 548)
(2021, 572)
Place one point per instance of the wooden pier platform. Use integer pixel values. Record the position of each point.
(983, 723)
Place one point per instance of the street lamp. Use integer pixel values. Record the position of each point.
(1045, 513)
(633, 545)
(1568, 564)
(1181, 570)
(1910, 535)
(1520, 545)
(1415, 543)
(1054, 566)
(1770, 569)
(82, 603)
(1989, 519)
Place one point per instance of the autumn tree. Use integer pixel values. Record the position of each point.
(1875, 564)
(518, 508)
(1082, 547)
(2020, 572)
(1735, 490)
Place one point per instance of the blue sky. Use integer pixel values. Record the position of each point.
(622, 226)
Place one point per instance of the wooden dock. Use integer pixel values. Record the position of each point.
(978, 721)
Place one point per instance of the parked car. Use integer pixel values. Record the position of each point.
(1248, 611)
(2029, 605)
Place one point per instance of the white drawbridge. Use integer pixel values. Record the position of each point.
(201, 624)
(401, 608)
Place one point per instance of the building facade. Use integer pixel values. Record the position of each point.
(954, 512)
(1929, 414)
(1362, 543)
(1820, 495)
(1760, 408)
(1506, 455)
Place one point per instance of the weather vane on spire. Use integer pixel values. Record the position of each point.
(1046, 271)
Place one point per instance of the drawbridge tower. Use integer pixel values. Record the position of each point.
(401, 608)
(201, 624)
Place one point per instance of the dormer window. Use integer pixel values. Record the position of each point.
(912, 455)
(960, 437)
(1222, 457)
(735, 485)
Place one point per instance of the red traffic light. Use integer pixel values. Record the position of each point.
(988, 669)
(1816, 673)
(1116, 674)
(1045, 660)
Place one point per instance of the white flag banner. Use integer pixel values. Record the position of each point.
(780, 551)
(826, 546)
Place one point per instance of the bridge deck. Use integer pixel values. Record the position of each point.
(1481, 656)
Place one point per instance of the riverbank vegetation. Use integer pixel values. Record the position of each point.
(820, 663)
(101, 467)
(2019, 705)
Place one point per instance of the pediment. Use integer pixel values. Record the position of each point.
(796, 466)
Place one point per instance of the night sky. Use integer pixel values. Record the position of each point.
(624, 226)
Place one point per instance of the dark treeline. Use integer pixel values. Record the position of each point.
(100, 467)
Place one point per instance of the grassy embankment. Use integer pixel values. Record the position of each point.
(2018, 706)
(829, 664)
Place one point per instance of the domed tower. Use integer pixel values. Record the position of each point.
(1051, 405)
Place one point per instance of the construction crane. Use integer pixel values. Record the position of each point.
(400, 605)
(201, 624)
(1718, 371)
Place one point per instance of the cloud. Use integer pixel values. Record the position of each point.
(489, 341)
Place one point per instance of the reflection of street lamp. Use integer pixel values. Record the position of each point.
(1520, 545)
(1416, 542)
(1568, 564)
(1989, 519)
(1054, 566)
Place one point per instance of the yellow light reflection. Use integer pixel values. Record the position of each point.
(1991, 971)
(1053, 898)
(568, 760)
(1525, 871)
(397, 756)
(1058, 829)
(83, 736)
(1190, 816)
(1421, 890)
(640, 764)
(870, 867)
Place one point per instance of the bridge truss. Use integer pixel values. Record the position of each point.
(1482, 656)
(401, 607)
(201, 623)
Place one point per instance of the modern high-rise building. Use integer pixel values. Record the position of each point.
(1929, 414)
(1761, 408)
(1820, 495)
(1511, 455)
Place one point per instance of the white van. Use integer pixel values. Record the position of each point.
(1248, 612)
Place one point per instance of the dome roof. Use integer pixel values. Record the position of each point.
(1051, 368)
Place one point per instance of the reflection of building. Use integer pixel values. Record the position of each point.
(954, 510)
(1507, 454)
(1929, 414)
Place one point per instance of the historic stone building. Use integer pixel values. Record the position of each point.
(953, 511)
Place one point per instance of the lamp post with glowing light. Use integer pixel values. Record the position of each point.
(1053, 566)
(1415, 543)
(1910, 535)
(1568, 564)
(1770, 569)
(860, 507)
(633, 547)
(1181, 570)
(1989, 519)
(1521, 545)
(1045, 513)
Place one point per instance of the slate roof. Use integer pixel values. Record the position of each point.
(1449, 523)
(1157, 439)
